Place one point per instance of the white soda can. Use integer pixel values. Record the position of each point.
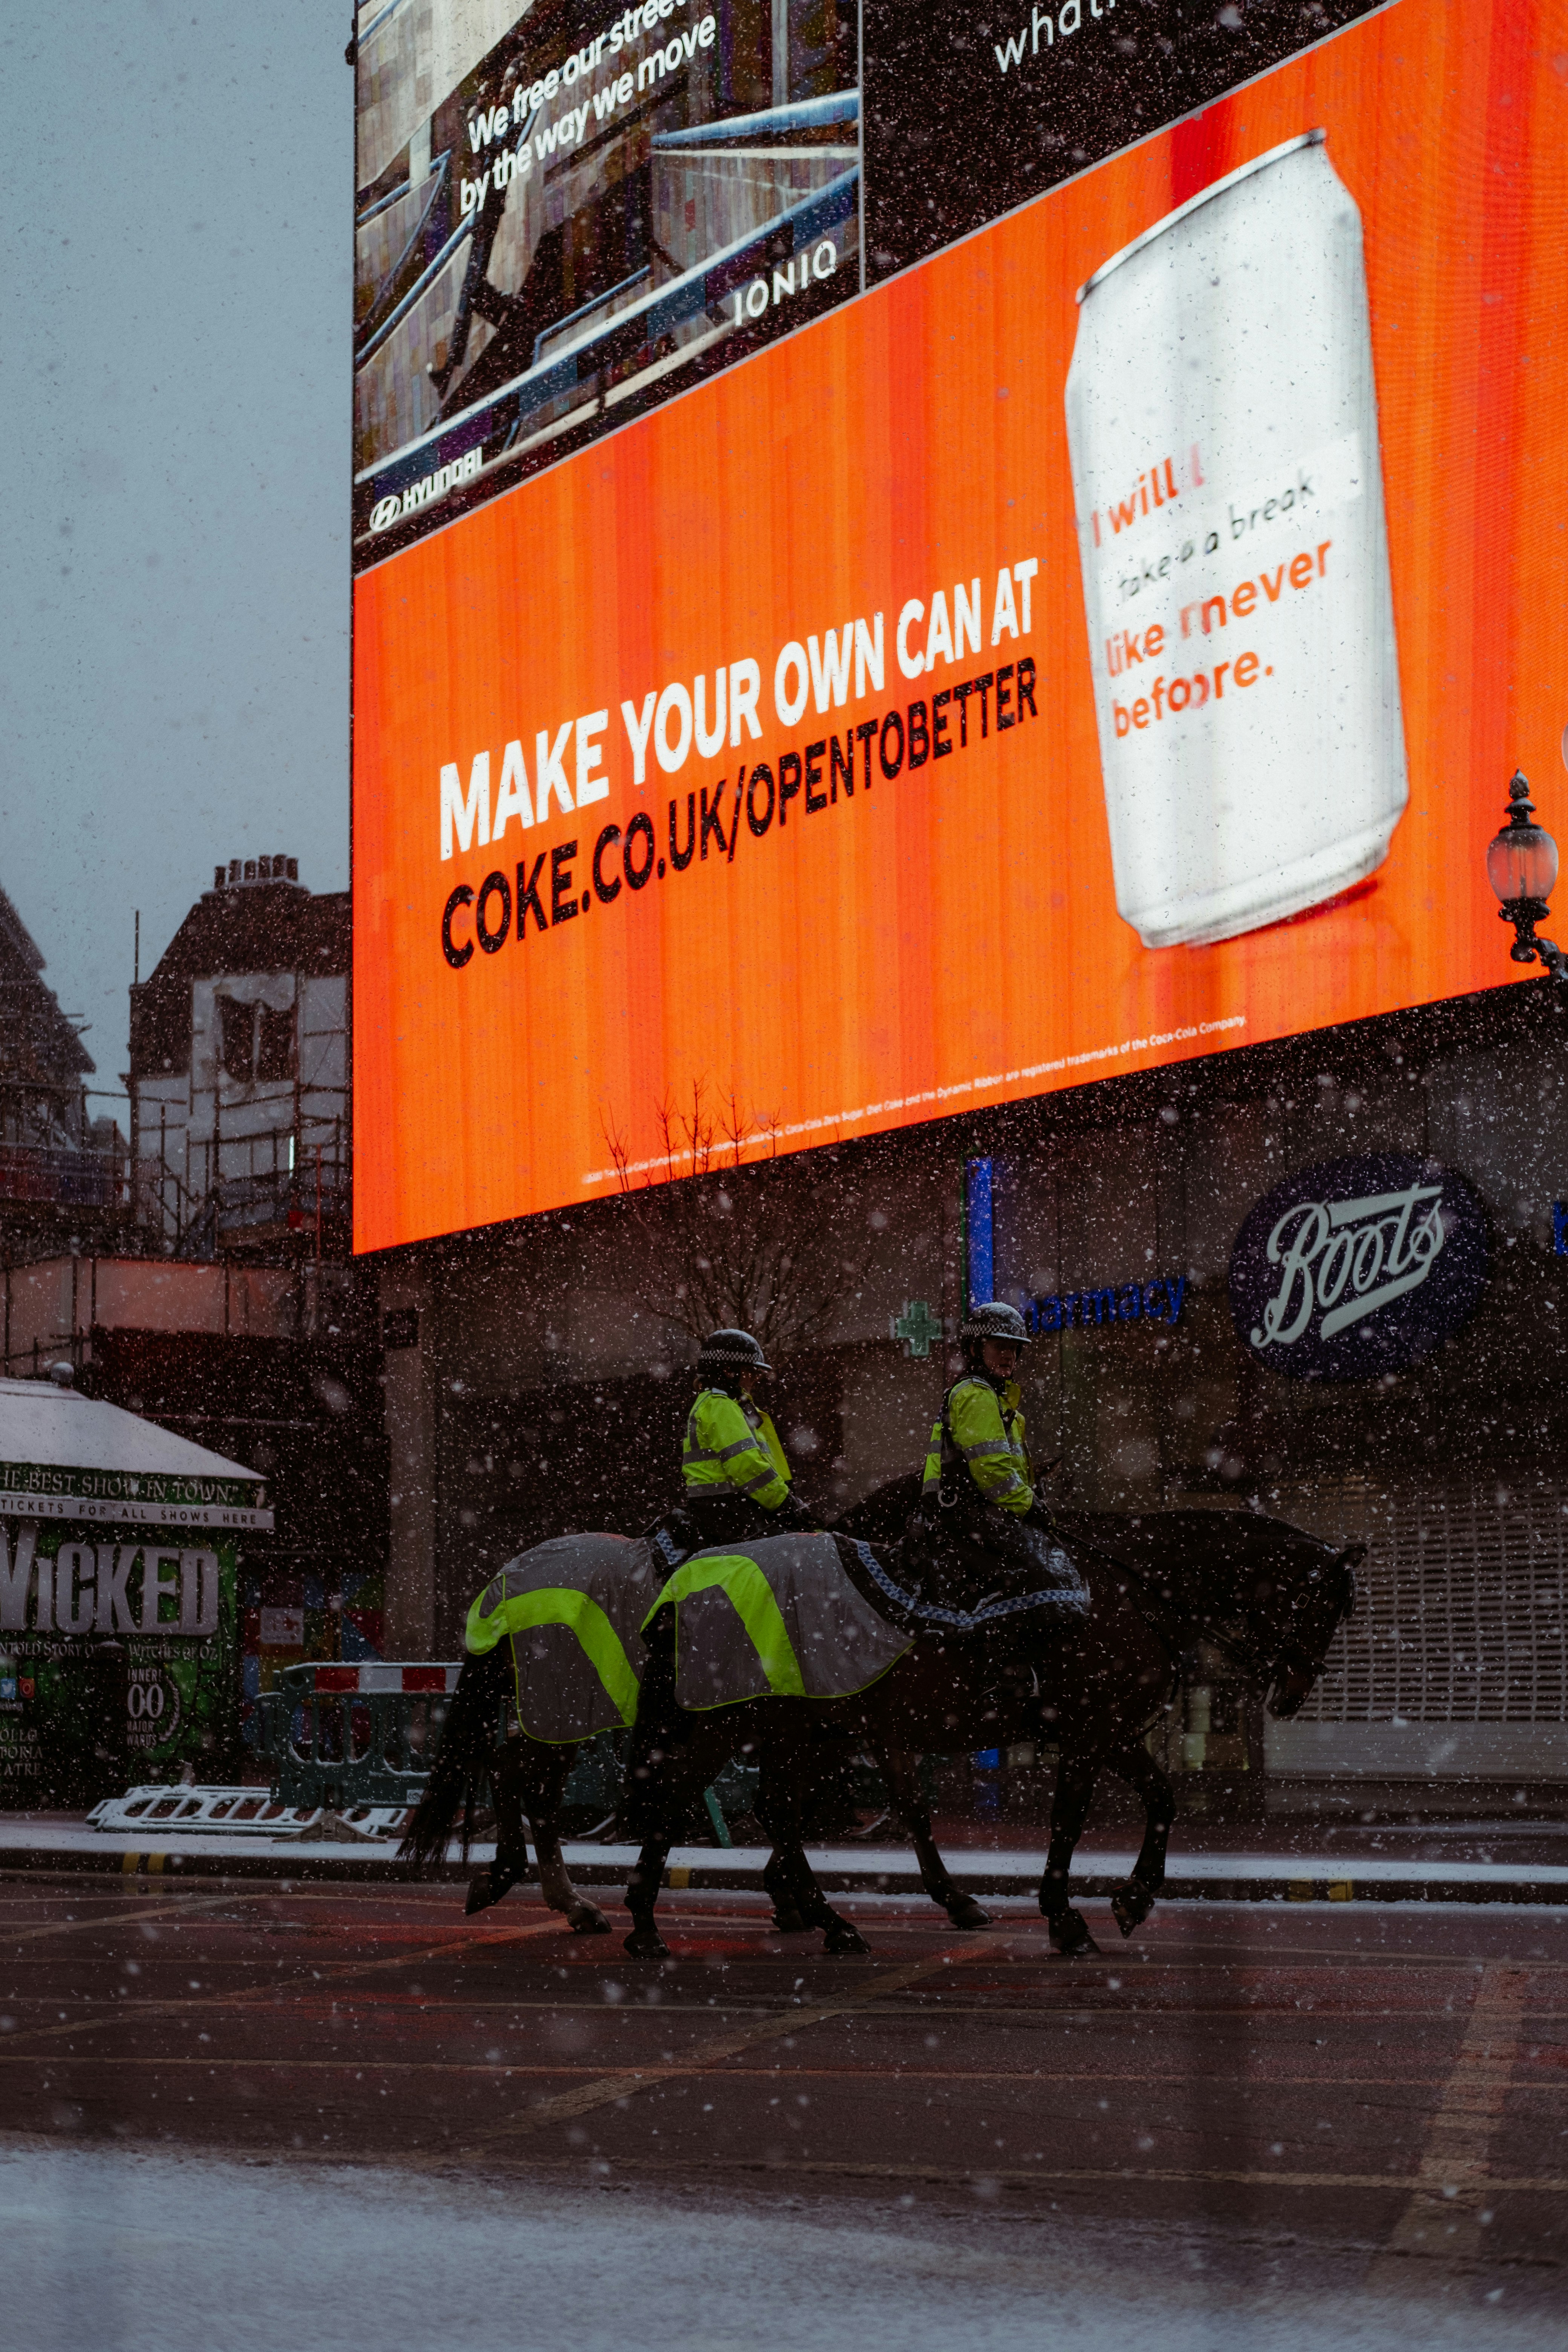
(1222, 420)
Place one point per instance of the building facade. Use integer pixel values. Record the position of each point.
(239, 1068)
(538, 1374)
(225, 1307)
(63, 1172)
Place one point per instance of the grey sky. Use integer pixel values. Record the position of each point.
(175, 316)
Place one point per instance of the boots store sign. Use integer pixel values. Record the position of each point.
(1357, 1267)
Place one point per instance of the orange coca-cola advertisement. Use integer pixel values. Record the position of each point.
(1106, 643)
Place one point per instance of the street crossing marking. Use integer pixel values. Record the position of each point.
(116, 1917)
(626, 2083)
(1444, 2215)
(250, 1996)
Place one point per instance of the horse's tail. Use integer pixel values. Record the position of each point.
(464, 1760)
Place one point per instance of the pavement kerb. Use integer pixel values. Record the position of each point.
(1220, 1878)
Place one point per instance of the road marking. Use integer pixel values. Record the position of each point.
(252, 1995)
(1019, 2177)
(356, 2062)
(968, 2177)
(1444, 2214)
(115, 1918)
(626, 2083)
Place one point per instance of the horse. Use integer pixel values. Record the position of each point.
(1155, 1584)
(1269, 1595)
(527, 1779)
(559, 1630)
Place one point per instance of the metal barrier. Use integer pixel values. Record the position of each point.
(344, 1736)
(196, 1811)
(361, 1736)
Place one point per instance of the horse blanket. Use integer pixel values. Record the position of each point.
(798, 1616)
(781, 1616)
(572, 1611)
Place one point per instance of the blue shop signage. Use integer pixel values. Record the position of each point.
(1117, 1302)
(1357, 1267)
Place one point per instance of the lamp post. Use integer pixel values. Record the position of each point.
(1521, 866)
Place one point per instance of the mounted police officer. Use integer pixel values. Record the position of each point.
(978, 1511)
(736, 1477)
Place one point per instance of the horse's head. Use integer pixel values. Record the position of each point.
(1297, 1620)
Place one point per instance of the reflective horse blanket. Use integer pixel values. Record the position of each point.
(572, 1611)
(781, 1616)
(798, 1616)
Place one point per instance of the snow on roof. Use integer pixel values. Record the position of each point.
(40, 1423)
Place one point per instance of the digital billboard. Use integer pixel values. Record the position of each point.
(569, 212)
(1104, 641)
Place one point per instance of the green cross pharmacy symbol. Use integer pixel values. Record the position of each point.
(917, 1327)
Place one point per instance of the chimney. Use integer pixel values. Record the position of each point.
(242, 873)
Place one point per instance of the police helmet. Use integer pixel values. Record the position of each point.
(993, 1320)
(729, 1352)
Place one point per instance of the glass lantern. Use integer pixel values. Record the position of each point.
(1522, 860)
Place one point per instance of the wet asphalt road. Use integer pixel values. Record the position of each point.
(1375, 2097)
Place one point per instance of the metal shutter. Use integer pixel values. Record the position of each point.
(1463, 1614)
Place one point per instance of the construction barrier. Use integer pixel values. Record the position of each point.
(351, 1735)
(362, 1737)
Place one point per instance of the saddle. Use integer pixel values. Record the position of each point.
(963, 1553)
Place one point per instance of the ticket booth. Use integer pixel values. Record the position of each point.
(120, 1546)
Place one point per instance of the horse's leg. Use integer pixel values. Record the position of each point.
(839, 1935)
(667, 1784)
(779, 1885)
(1134, 1899)
(901, 1778)
(511, 1864)
(645, 1942)
(1076, 1777)
(658, 1750)
(584, 1917)
(781, 1874)
(786, 1752)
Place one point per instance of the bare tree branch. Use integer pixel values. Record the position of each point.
(736, 1243)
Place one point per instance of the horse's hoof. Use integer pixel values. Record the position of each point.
(645, 1944)
(1130, 1906)
(841, 1938)
(1070, 1936)
(481, 1895)
(964, 1912)
(787, 1922)
(586, 1921)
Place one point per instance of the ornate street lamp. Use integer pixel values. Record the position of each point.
(1521, 866)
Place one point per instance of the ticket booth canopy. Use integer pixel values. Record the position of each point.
(67, 1456)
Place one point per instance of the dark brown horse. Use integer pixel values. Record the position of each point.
(1266, 1593)
(1272, 1596)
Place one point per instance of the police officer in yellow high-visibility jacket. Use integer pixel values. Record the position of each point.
(733, 1469)
(979, 1484)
